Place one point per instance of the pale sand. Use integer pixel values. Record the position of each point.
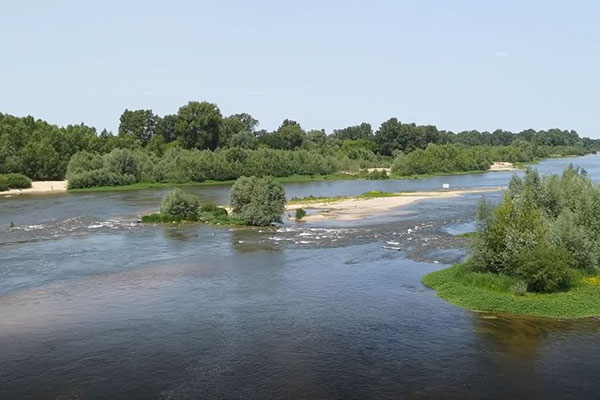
(502, 166)
(39, 187)
(387, 170)
(357, 208)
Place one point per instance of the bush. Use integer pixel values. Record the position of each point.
(99, 177)
(180, 204)
(257, 201)
(17, 181)
(300, 213)
(3, 184)
(545, 269)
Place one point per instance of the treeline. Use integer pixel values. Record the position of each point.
(42, 151)
(178, 165)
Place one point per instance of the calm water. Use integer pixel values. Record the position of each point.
(95, 305)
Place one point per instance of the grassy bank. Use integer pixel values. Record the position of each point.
(490, 292)
(323, 199)
(149, 185)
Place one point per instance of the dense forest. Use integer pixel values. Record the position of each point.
(199, 143)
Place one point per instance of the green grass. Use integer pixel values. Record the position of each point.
(467, 234)
(318, 199)
(491, 292)
(150, 185)
(214, 216)
(435, 174)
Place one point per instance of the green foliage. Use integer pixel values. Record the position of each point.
(485, 291)
(257, 201)
(300, 213)
(519, 288)
(199, 125)
(42, 151)
(17, 181)
(544, 227)
(358, 132)
(3, 184)
(208, 213)
(544, 268)
(139, 123)
(444, 158)
(180, 204)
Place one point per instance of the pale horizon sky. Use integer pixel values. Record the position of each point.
(327, 64)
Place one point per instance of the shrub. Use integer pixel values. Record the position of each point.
(180, 204)
(545, 268)
(212, 212)
(257, 201)
(99, 177)
(17, 181)
(3, 184)
(300, 213)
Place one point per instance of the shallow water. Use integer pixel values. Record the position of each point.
(95, 305)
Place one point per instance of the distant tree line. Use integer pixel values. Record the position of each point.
(42, 151)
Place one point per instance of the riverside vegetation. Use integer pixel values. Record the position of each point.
(254, 202)
(198, 144)
(14, 181)
(536, 253)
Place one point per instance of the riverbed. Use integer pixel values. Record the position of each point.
(95, 305)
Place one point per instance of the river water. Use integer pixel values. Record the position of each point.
(94, 305)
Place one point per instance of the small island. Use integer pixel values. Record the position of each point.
(537, 253)
(254, 202)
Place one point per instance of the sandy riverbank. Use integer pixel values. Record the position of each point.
(349, 209)
(502, 166)
(39, 187)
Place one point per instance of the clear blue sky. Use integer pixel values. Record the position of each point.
(327, 64)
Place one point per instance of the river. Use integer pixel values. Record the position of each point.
(94, 305)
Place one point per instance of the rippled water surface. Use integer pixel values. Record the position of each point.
(96, 305)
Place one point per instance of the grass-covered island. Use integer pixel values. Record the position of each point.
(254, 202)
(537, 253)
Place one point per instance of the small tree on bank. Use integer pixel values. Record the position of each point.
(257, 201)
(180, 204)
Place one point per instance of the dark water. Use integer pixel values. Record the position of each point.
(94, 305)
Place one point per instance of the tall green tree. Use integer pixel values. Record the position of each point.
(199, 125)
(362, 131)
(140, 123)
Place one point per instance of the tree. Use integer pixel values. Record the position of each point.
(42, 162)
(166, 128)
(236, 124)
(244, 140)
(140, 123)
(291, 134)
(180, 204)
(249, 123)
(257, 201)
(362, 131)
(199, 125)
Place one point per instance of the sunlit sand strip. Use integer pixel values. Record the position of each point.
(39, 187)
(357, 208)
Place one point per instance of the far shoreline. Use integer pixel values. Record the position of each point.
(59, 187)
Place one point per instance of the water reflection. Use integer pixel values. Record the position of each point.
(523, 338)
